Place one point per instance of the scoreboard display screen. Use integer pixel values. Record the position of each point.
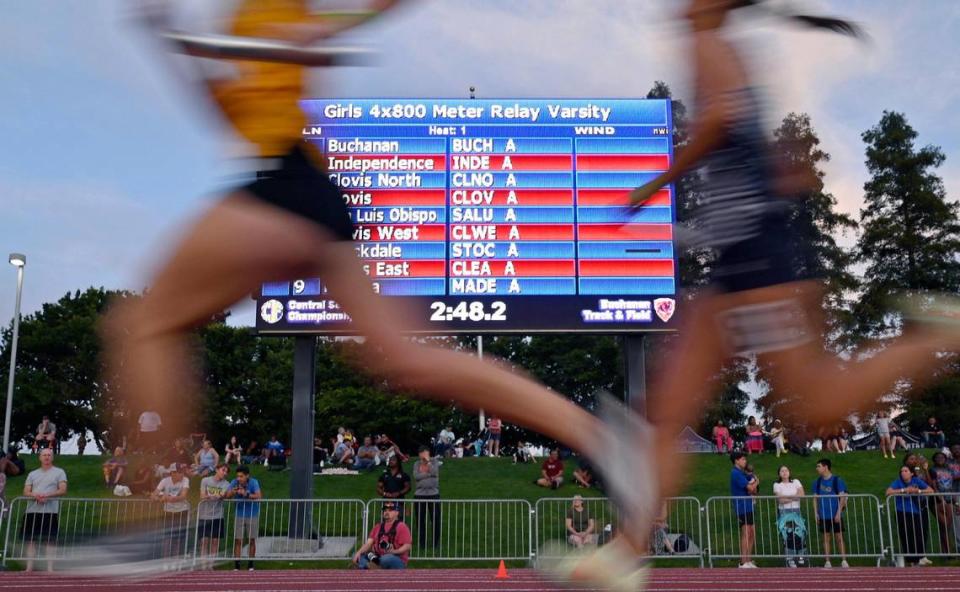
(496, 216)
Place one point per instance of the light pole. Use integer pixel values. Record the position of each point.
(17, 260)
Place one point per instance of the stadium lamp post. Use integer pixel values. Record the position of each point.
(18, 260)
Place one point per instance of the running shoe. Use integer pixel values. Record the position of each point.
(613, 567)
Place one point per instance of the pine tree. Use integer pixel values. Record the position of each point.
(910, 232)
(815, 221)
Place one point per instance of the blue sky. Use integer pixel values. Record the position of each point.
(102, 153)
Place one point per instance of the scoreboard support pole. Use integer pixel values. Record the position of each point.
(635, 373)
(304, 404)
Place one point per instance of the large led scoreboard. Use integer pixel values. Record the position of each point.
(496, 215)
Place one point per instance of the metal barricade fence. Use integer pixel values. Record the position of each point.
(60, 529)
(792, 532)
(275, 529)
(3, 517)
(923, 525)
(676, 534)
(463, 530)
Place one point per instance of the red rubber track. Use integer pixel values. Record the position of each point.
(482, 580)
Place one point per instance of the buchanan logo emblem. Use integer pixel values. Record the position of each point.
(271, 311)
(664, 308)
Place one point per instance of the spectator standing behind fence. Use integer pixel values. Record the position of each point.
(232, 451)
(580, 525)
(394, 483)
(742, 487)
(41, 519)
(46, 436)
(942, 481)
(551, 472)
(114, 468)
(210, 527)
(206, 459)
(389, 543)
(172, 491)
(722, 438)
(426, 476)
(789, 492)
(494, 429)
(933, 435)
(910, 515)
(246, 524)
(754, 436)
(149, 423)
(830, 493)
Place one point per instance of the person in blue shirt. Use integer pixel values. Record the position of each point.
(742, 486)
(274, 447)
(246, 489)
(909, 513)
(830, 501)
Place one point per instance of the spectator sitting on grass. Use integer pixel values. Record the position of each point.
(551, 473)
(46, 435)
(444, 441)
(114, 468)
(273, 448)
(177, 455)
(15, 465)
(523, 453)
(933, 435)
(205, 460)
(233, 451)
(388, 448)
(144, 481)
(368, 455)
(252, 454)
(583, 474)
(343, 453)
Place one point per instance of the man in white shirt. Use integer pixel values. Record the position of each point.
(445, 441)
(149, 423)
(172, 491)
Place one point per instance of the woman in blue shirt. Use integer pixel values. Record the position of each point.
(909, 513)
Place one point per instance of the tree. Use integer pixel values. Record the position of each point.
(910, 232)
(816, 222)
(909, 244)
(59, 371)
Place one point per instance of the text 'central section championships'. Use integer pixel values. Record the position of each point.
(497, 215)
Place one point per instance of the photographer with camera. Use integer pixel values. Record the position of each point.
(388, 546)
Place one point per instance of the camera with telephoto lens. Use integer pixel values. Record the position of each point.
(373, 557)
(384, 545)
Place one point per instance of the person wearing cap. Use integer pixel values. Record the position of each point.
(389, 543)
(172, 491)
(580, 525)
(426, 476)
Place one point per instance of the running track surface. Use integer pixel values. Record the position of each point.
(482, 580)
